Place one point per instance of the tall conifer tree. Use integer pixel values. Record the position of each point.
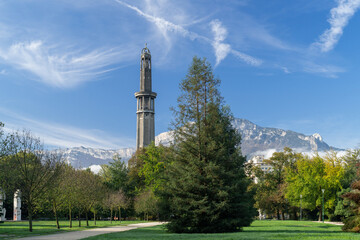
(207, 187)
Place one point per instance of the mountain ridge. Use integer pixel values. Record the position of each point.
(255, 139)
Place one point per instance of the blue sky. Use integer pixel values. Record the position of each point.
(69, 69)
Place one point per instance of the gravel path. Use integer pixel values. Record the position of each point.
(334, 223)
(92, 232)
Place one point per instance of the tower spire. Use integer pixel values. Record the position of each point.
(145, 132)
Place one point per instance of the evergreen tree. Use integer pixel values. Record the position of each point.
(352, 223)
(207, 187)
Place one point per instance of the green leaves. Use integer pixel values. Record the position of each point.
(312, 175)
(115, 175)
(154, 165)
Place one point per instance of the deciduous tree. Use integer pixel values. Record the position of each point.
(311, 176)
(34, 168)
(115, 174)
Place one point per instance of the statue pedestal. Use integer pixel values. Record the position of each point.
(17, 206)
(2, 209)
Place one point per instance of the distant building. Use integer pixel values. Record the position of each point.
(259, 161)
(145, 129)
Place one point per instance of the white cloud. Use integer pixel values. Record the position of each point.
(220, 33)
(269, 152)
(58, 68)
(64, 136)
(286, 70)
(339, 18)
(95, 168)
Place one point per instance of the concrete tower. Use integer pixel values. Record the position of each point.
(145, 132)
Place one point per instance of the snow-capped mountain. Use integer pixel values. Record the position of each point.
(254, 139)
(83, 157)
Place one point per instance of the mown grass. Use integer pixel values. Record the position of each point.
(258, 230)
(10, 230)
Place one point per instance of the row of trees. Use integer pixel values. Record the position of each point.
(296, 179)
(48, 184)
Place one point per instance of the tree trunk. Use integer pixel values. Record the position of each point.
(94, 217)
(87, 220)
(56, 216)
(283, 215)
(70, 217)
(295, 214)
(320, 215)
(111, 215)
(120, 214)
(30, 217)
(278, 214)
(79, 219)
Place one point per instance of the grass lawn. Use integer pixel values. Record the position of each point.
(258, 230)
(9, 230)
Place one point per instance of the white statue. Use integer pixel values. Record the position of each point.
(17, 206)
(2, 209)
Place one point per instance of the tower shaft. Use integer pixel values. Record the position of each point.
(145, 132)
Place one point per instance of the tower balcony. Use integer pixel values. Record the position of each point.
(144, 93)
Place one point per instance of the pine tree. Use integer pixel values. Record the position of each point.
(207, 187)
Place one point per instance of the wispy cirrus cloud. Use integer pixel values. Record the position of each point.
(221, 49)
(164, 25)
(247, 58)
(330, 71)
(64, 136)
(61, 67)
(339, 18)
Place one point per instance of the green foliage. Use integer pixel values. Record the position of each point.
(206, 184)
(310, 177)
(271, 186)
(352, 163)
(353, 223)
(155, 159)
(136, 181)
(115, 174)
(342, 208)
